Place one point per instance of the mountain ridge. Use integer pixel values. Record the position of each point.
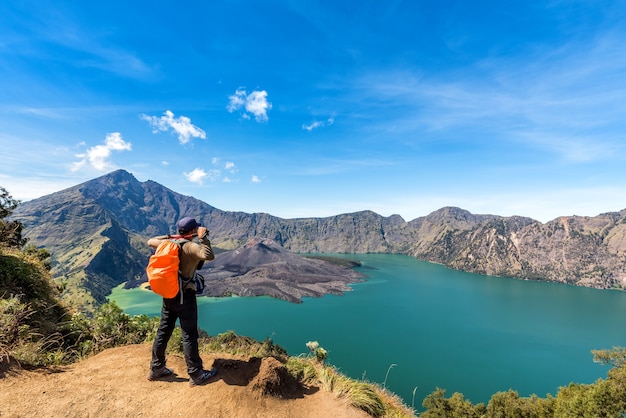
(105, 222)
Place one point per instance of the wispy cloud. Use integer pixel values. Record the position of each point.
(228, 166)
(181, 126)
(43, 112)
(87, 47)
(231, 167)
(255, 179)
(199, 175)
(98, 156)
(318, 124)
(255, 103)
(559, 101)
(331, 166)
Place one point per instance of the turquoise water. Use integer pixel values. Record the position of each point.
(421, 325)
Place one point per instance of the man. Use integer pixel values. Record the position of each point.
(192, 256)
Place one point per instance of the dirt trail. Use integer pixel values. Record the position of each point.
(114, 384)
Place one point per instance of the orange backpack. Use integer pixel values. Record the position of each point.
(163, 269)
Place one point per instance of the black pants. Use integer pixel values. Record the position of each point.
(187, 313)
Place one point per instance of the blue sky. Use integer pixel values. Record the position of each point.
(316, 108)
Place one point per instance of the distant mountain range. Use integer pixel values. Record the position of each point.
(97, 234)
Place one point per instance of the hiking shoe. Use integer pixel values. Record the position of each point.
(202, 377)
(160, 373)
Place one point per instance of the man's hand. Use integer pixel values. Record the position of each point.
(202, 231)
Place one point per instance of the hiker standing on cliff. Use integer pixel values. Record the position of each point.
(192, 256)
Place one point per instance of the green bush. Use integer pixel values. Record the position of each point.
(10, 231)
(604, 398)
(110, 327)
(438, 406)
(510, 404)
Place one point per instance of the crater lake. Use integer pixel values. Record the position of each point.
(413, 326)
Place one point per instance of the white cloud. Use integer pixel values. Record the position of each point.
(255, 179)
(98, 156)
(199, 175)
(196, 176)
(182, 126)
(254, 103)
(257, 104)
(237, 100)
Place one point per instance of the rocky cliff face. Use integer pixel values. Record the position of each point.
(104, 222)
(585, 251)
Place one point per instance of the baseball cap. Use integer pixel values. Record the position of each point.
(187, 224)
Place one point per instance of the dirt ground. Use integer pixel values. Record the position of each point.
(114, 384)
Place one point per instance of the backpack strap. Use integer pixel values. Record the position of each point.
(182, 282)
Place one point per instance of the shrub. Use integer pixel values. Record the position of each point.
(22, 341)
(10, 231)
(111, 327)
(438, 406)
